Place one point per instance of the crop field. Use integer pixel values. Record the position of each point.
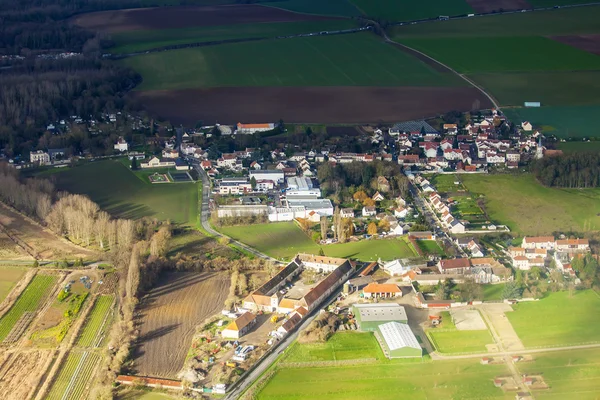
(28, 302)
(96, 325)
(22, 371)
(9, 276)
(455, 341)
(341, 8)
(333, 61)
(341, 346)
(557, 320)
(74, 376)
(529, 208)
(393, 10)
(578, 147)
(122, 194)
(561, 121)
(134, 41)
(168, 316)
(465, 379)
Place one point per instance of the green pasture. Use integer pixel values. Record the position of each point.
(561, 121)
(136, 41)
(552, 3)
(9, 276)
(339, 60)
(339, 8)
(455, 341)
(505, 54)
(579, 147)
(557, 320)
(529, 208)
(445, 183)
(492, 292)
(430, 247)
(121, 193)
(284, 240)
(341, 346)
(74, 376)
(394, 10)
(97, 322)
(29, 301)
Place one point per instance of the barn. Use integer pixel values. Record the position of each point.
(370, 316)
(240, 326)
(398, 341)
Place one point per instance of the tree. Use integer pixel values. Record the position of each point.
(384, 225)
(372, 229)
(134, 164)
(360, 196)
(253, 183)
(242, 284)
(470, 290)
(36, 264)
(368, 202)
(321, 251)
(512, 290)
(324, 227)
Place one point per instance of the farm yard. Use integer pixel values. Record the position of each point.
(9, 276)
(96, 325)
(74, 376)
(168, 316)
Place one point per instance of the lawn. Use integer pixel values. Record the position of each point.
(557, 320)
(283, 240)
(340, 60)
(455, 341)
(74, 376)
(29, 301)
(135, 41)
(529, 208)
(394, 10)
(9, 276)
(341, 346)
(122, 194)
(561, 121)
(430, 247)
(341, 8)
(578, 147)
(97, 323)
(493, 292)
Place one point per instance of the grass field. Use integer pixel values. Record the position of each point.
(134, 41)
(561, 121)
(74, 376)
(492, 292)
(96, 324)
(285, 239)
(455, 341)
(557, 319)
(393, 10)
(578, 147)
(9, 276)
(430, 247)
(338, 60)
(529, 208)
(341, 346)
(122, 194)
(28, 301)
(341, 8)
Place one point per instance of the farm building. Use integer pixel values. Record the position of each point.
(399, 341)
(383, 290)
(370, 316)
(240, 326)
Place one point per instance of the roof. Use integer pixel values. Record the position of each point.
(455, 263)
(302, 311)
(318, 291)
(572, 242)
(267, 287)
(381, 288)
(397, 336)
(241, 322)
(254, 126)
(538, 239)
(287, 303)
(380, 312)
(303, 257)
(291, 322)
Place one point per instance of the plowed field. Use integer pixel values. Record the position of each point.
(20, 373)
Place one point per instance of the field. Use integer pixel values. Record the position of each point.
(134, 41)
(557, 320)
(28, 302)
(529, 208)
(284, 240)
(561, 121)
(168, 317)
(122, 194)
(455, 341)
(341, 346)
(578, 147)
(143, 395)
(22, 371)
(430, 247)
(334, 61)
(95, 327)
(492, 292)
(393, 10)
(9, 276)
(342, 8)
(74, 376)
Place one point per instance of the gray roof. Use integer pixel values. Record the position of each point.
(381, 312)
(315, 204)
(398, 336)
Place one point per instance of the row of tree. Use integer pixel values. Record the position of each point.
(577, 170)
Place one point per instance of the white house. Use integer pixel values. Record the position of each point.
(347, 213)
(538, 242)
(370, 211)
(457, 227)
(400, 212)
(39, 157)
(526, 125)
(121, 145)
(255, 165)
(170, 153)
(396, 229)
(156, 162)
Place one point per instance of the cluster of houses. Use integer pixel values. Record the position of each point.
(448, 221)
(539, 251)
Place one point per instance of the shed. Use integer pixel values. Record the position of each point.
(370, 316)
(399, 340)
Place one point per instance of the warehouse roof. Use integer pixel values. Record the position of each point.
(381, 312)
(397, 336)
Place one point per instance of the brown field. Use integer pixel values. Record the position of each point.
(485, 6)
(183, 17)
(34, 239)
(589, 43)
(21, 371)
(169, 315)
(310, 104)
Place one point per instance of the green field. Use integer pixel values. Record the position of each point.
(578, 147)
(455, 341)
(119, 192)
(9, 276)
(394, 10)
(557, 320)
(341, 8)
(529, 208)
(29, 301)
(339, 60)
(96, 324)
(284, 240)
(493, 292)
(561, 121)
(74, 376)
(134, 41)
(51, 335)
(430, 247)
(341, 346)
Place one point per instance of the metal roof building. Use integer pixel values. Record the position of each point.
(370, 316)
(399, 341)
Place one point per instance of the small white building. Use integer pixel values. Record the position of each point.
(121, 145)
(39, 157)
(369, 211)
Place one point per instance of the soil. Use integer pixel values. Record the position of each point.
(184, 17)
(9, 250)
(20, 373)
(486, 6)
(589, 43)
(168, 317)
(310, 104)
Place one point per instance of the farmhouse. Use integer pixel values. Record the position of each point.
(383, 290)
(266, 297)
(248, 129)
(399, 341)
(320, 263)
(573, 245)
(240, 326)
(324, 288)
(454, 266)
(370, 316)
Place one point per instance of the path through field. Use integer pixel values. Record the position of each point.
(495, 314)
(168, 318)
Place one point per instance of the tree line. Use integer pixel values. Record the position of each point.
(577, 170)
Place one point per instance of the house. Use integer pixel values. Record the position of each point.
(521, 262)
(275, 175)
(156, 162)
(240, 326)
(378, 197)
(513, 156)
(454, 266)
(170, 153)
(383, 184)
(573, 245)
(396, 229)
(249, 129)
(289, 324)
(121, 145)
(383, 290)
(370, 211)
(538, 242)
(400, 212)
(316, 295)
(39, 157)
(475, 249)
(347, 213)
(255, 165)
(526, 125)
(453, 154)
(451, 129)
